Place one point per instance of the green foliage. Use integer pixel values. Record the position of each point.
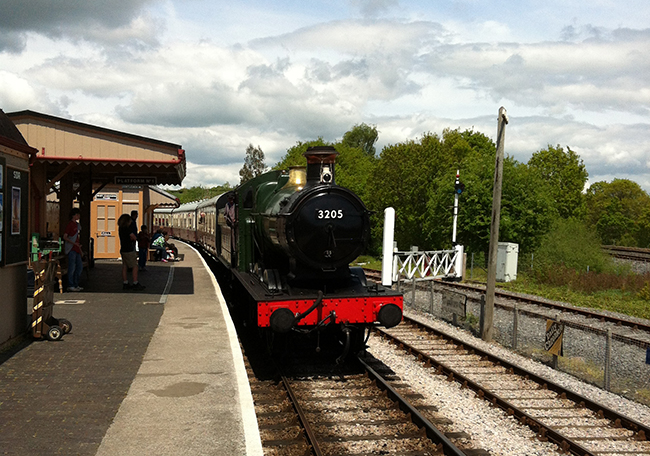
(362, 136)
(571, 244)
(253, 164)
(188, 195)
(620, 211)
(401, 179)
(564, 175)
(353, 169)
(294, 155)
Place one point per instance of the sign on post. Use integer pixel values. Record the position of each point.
(554, 335)
(454, 303)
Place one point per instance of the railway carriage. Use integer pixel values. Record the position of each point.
(162, 219)
(184, 222)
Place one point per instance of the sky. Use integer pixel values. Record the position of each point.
(216, 76)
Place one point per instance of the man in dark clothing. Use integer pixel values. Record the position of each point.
(73, 250)
(128, 253)
(134, 225)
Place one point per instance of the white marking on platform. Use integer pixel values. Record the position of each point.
(70, 302)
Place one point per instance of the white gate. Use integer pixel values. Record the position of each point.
(428, 265)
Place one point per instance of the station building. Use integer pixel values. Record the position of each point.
(15, 157)
(67, 164)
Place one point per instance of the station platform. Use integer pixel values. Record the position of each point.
(158, 371)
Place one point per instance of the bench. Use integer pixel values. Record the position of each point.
(151, 254)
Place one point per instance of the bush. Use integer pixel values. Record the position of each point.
(571, 245)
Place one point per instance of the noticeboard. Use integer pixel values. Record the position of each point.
(16, 213)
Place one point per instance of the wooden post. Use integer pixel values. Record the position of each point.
(608, 360)
(515, 327)
(488, 328)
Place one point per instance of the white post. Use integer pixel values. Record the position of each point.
(458, 266)
(456, 194)
(389, 234)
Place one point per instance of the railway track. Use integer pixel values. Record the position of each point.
(628, 253)
(625, 329)
(365, 410)
(574, 423)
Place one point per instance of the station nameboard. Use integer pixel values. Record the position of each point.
(136, 180)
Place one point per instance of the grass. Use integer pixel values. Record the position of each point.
(619, 300)
(628, 294)
(368, 262)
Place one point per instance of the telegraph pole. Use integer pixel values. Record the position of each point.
(488, 328)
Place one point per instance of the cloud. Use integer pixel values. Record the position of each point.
(591, 75)
(585, 86)
(373, 8)
(107, 21)
(17, 94)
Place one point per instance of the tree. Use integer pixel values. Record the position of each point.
(565, 175)
(294, 155)
(253, 164)
(526, 207)
(620, 212)
(362, 136)
(188, 195)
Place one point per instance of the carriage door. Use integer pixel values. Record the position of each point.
(105, 227)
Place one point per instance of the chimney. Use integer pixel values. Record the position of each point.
(320, 165)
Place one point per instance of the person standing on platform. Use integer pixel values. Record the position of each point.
(127, 251)
(134, 226)
(73, 250)
(143, 246)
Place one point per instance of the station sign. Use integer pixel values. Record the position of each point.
(106, 196)
(454, 303)
(554, 335)
(136, 180)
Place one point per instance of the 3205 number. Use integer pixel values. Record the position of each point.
(329, 213)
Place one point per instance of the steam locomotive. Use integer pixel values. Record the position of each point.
(289, 248)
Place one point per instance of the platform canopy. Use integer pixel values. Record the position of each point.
(110, 156)
(79, 161)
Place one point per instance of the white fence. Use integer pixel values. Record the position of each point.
(428, 265)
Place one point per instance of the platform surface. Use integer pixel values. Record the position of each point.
(152, 372)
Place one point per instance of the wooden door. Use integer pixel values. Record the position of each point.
(105, 230)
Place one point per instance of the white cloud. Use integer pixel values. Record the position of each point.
(216, 77)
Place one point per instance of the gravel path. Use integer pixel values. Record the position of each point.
(491, 428)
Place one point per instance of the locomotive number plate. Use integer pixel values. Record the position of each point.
(329, 214)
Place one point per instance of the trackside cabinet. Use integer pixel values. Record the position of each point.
(507, 256)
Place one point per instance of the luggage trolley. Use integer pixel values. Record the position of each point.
(44, 325)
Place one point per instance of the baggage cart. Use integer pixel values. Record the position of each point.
(47, 276)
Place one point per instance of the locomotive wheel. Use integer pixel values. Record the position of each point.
(65, 325)
(55, 333)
